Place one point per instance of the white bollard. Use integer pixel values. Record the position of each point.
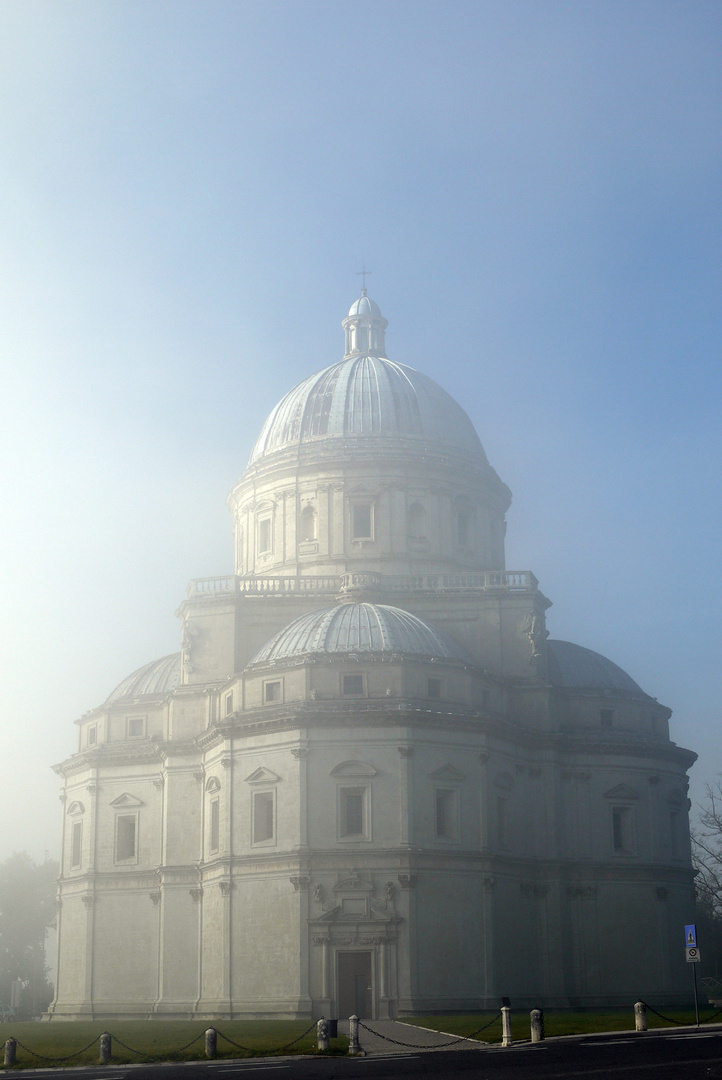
(505, 1025)
(322, 1042)
(106, 1044)
(211, 1042)
(537, 1025)
(640, 1016)
(353, 1046)
(11, 1047)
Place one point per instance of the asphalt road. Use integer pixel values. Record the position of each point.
(680, 1055)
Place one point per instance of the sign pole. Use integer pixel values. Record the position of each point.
(696, 1003)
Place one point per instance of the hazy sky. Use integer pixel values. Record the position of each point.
(186, 193)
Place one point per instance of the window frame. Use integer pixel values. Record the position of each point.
(267, 685)
(438, 682)
(76, 845)
(228, 703)
(344, 675)
(92, 729)
(214, 825)
(132, 857)
(358, 535)
(452, 832)
(268, 794)
(265, 522)
(343, 793)
(141, 720)
(623, 831)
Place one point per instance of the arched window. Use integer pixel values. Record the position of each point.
(416, 522)
(308, 523)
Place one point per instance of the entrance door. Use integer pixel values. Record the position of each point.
(354, 984)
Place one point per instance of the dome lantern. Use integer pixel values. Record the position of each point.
(364, 326)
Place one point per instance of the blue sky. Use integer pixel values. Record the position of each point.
(186, 193)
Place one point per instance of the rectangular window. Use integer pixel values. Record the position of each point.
(92, 735)
(353, 685)
(272, 691)
(622, 831)
(76, 845)
(125, 837)
(352, 812)
(263, 823)
(446, 814)
(361, 521)
(229, 703)
(264, 536)
(502, 822)
(434, 688)
(215, 838)
(606, 717)
(136, 727)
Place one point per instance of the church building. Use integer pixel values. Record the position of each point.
(369, 781)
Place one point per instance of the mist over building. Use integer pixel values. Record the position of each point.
(369, 781)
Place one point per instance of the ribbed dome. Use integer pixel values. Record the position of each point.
(364, 306)
(574, 666)
(365, 397)
(359, 628)
(160, 677)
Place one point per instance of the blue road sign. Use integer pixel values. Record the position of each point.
(690, 935)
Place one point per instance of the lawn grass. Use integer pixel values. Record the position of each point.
(164, 1039)
(556, 1022)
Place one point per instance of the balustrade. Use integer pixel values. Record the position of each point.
(508, 580)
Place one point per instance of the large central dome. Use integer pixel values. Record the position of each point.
(365, 395)
(368, 396)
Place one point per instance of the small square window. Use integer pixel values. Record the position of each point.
(92, 736)
(272, 691)
(264, 536)
(263, 823)
(125, 837)
(136, 727)
(353, 685)
(76, 845)
(352, 812)
(361, 521)
(229, 703)
(215, 837)
(434, 688)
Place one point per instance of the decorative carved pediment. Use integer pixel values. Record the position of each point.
(213, 784)
(621, 791)
(262, 775)
(354, 883)
(447, 772)
(76, 808)
(126, 801)
(354, 769)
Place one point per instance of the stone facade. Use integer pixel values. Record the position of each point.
(369, 781)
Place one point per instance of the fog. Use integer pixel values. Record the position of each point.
(187, 194)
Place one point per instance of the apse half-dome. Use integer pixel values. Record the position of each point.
(574, 667)
(360, 628)
(159, 677)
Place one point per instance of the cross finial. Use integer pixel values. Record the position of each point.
(364, 273)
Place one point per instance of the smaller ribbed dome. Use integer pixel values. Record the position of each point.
(159, 677)
(359, 628)
(364, 306)
(575, 667)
